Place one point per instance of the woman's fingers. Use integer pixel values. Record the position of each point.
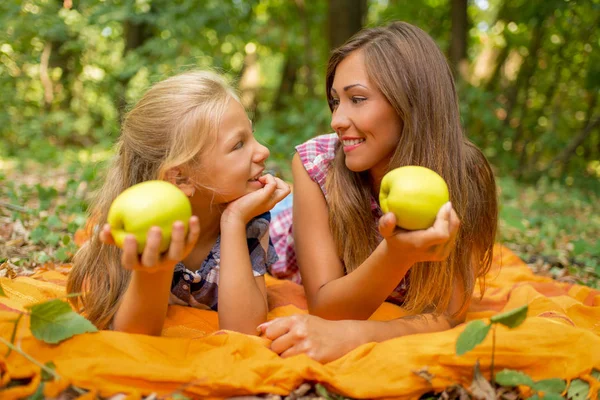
(387, 224)
(284, 343)
(276, 328)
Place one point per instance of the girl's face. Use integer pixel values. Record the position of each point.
(231, 168)
(366, 123)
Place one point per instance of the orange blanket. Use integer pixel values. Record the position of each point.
(560, 338)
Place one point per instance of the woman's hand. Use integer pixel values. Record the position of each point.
(258, 202)
(320, 339)
(151, 259)
(432, 244)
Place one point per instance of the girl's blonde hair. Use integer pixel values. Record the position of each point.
(170, 126)
(412, 73)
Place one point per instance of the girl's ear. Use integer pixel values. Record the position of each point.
(177, 178)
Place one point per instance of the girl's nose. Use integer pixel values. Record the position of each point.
(261, 153)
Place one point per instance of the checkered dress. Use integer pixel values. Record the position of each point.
(316, 156)
(200, 288)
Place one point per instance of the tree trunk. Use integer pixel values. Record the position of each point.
(135, 34)
(288, 80)
(346, 17)
(310, 84)
(458, 43)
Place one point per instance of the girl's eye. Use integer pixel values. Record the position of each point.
(238, 146)
(357, 100)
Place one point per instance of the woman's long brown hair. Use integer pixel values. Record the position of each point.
(413, 74)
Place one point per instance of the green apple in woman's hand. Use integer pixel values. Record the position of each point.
(148, 204)
(414, 194)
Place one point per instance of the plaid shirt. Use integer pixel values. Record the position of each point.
(200, 288)
(316, 156)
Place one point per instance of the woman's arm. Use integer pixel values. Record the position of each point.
(242, 297)
(331, 293)
(325, 340)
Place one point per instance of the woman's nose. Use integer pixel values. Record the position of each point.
(339, 120)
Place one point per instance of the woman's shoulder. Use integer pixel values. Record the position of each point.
(322, 146)
(316, 154)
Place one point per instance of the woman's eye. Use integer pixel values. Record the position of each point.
(334, 103)
(357, 100)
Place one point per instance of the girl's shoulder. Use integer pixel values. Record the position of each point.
(316, 155)
(258, 226)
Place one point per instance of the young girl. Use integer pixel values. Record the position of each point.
(192, 131)
(393, 103)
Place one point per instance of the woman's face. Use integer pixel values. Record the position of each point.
(366, 123)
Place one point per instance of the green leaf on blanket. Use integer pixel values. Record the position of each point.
(553, 396)
(509, 377)
(554, 385)
(474, 333)
(54, 321)
(578, 390)
(512, 318)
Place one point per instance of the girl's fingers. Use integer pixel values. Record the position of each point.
(150, 255)
(193, 231)
(105, 235)
(177, 245)
(129, 257)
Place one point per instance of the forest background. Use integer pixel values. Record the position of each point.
(528, 75)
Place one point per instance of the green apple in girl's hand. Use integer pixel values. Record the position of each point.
(414, 194)
(148, 204)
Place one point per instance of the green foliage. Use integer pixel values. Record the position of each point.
(508, 377)
(54, 321)
(512, 318)
(475, 332)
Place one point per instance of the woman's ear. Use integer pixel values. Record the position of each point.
(177, 178)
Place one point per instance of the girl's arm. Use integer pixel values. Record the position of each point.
(331, 293)
(325, 340)
(143, 308)
(242, 297)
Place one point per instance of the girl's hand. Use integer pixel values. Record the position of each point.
(249, 206)
(432, 244)
(151, 259)
(320, 339)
